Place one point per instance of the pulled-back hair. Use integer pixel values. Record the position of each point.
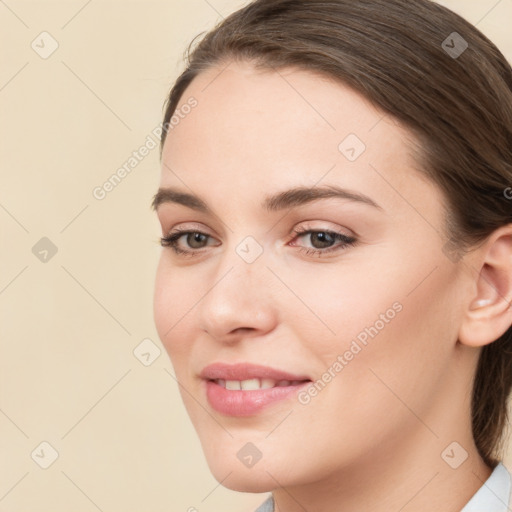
(435, 73)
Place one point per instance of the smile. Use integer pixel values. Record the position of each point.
(252, 384)
(245, 389)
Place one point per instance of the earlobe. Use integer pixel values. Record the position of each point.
(489, 312)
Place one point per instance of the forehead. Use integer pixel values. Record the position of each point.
(251, 128)
(239, 102)
(239, 95)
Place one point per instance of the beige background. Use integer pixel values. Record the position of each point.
(69, 325)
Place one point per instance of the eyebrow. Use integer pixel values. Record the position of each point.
(287, 199)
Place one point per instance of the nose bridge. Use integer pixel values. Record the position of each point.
(242, 267)
(239, 275)
(237, 296)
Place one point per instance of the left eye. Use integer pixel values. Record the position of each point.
(322, 241)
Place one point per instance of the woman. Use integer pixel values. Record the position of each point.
(335, 285)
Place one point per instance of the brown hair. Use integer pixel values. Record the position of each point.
(409, 58)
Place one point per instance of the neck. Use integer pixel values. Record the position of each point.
(415, 470)
(392, 481)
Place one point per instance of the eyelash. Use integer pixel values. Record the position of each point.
(171, 241)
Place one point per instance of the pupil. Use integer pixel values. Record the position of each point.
(325, 239)
(196, 237)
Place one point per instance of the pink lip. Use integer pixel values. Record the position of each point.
(242, 402)
(245, 371)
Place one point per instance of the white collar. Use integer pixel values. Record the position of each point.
(494, 494)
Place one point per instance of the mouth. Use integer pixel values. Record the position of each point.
(257, 383)
(241, 372)
(245, 389)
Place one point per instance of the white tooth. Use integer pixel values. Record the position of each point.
(221, 382)
(283, 383)
(250, 384)
(233, 385)
(267, 383)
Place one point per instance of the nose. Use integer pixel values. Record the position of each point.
(239, 302)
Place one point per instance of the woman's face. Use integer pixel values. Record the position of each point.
(351, 291)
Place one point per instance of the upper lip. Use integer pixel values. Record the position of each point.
(246, 371)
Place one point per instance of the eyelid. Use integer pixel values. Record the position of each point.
(306, 226)
(186, 227)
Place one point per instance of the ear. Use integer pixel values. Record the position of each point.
(489, 311)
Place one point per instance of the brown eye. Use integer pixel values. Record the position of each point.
(322, 243)
(195, 239)
(191, 242)
(321, 239)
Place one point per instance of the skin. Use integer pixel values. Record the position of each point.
(372, 438)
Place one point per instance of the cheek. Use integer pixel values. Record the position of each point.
(366, 298)
(173, 302)
(393, 345)
(341, 301)
(377, 312)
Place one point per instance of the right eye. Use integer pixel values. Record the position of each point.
(194, 239)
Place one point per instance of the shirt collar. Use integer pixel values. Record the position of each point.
(494, 494)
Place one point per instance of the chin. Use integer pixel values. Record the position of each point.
(245, 480)
(265, 475)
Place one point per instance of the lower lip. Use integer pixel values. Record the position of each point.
(247, 403)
